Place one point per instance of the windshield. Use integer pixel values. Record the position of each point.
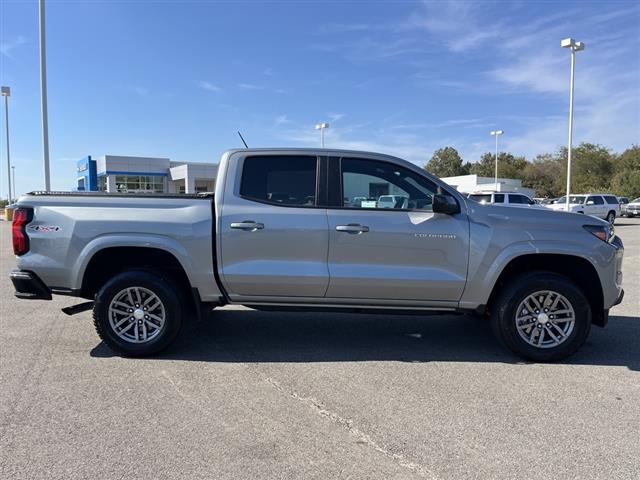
(579, 199)
(637, 200)
(481, 198)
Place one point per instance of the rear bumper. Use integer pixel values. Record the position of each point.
(29, 286)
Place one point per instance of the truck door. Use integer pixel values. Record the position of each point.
(273, 239)
(401, 253)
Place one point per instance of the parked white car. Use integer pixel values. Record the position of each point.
(507, 199)
(599, 205)
(632, 208)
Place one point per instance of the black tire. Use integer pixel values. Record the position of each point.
(504, 311)
(611, 217)
(148, 280)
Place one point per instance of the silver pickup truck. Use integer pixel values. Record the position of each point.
(303, 229)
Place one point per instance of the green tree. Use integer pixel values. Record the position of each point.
(591, 167)
(626, 179)
(545, 175)
(511, 167)
(508, 166)
(485, 167)
(446, 162)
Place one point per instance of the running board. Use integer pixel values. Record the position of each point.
(79, 308)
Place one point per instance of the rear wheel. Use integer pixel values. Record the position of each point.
(138, 313)
(541, 316)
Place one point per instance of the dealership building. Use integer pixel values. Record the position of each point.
(116, 173)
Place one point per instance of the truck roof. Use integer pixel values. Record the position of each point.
(316, 151)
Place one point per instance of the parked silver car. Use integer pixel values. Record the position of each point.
(631, 209)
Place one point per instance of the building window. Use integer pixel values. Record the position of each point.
(139, 184)
(102, 183)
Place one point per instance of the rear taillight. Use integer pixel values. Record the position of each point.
(21, 217)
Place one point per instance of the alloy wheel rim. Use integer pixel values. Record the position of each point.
(545, 319)
(136, 314)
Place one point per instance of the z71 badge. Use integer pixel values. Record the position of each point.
(44, 228)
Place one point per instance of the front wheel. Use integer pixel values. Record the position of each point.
(541, 316)
(611, 218)
(137, 313)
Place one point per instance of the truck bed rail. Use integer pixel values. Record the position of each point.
(202, 195)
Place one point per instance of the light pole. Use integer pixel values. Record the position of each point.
(575, 47)
(321, 127)
(6, 93)
(43, 96)
(13, 171)
(497, 133)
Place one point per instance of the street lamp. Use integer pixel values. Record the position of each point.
(6, 93)
(13, 171)
(497, 133)
(321, 127)
(575, 47)
(43, 99)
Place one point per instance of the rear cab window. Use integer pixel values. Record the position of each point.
(285, 180)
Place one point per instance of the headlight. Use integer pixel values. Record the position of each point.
(603, 232)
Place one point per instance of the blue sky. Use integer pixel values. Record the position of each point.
(177, 79)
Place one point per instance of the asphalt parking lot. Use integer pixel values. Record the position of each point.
(270, 395)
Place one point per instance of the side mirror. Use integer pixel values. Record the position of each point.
(445, 204)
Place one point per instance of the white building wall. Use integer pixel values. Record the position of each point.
(118, 163)
(474, 183)
(192, 175)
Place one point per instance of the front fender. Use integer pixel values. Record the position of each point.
(484, 273)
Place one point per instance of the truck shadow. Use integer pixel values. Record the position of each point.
(247, 336)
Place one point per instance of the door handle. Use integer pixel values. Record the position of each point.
(352, 228)
(248, 226)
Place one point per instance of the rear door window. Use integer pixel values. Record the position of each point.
(611, 199)
(596, 199)
(517, 199)
(280, 180)
(498, 198)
